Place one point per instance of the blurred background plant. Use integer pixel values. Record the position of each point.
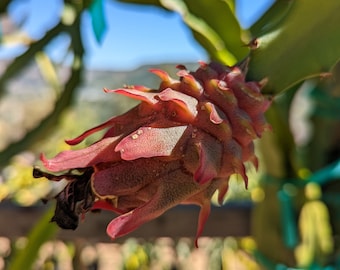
(47, 95)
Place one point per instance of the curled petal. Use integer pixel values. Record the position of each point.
(91, 131)
(186, 103)
(138, 87)
(189, 84)
(215, 116)
(136, 94)
(205, 121)
(162, 74)
(117, 125)
(167, 81)
(102, 151)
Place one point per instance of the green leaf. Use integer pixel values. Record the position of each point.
(203, 32)
(43, 231)
(231, 4)
(271, 18)
(213, 24)
(305, 44)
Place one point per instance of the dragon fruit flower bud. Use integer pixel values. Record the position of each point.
(178, 146)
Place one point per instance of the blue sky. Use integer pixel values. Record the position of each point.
(135, 35)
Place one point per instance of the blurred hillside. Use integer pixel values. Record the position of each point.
(29, 98)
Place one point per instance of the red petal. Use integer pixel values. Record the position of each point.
(174, 188)
(189, 84)
(214, 114)
(161, 74)
(203, 199)
(167, 81)
(242, 127)
(101, 151)
(186, 103)
(89, 132)
(222, 190)
(249, 155)
(202, 219)
(135, 94)
(210, 155)
(222, 131)
(104, 205)
(140, 88)
(119, 124)
(232, 159)
(150, 142)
